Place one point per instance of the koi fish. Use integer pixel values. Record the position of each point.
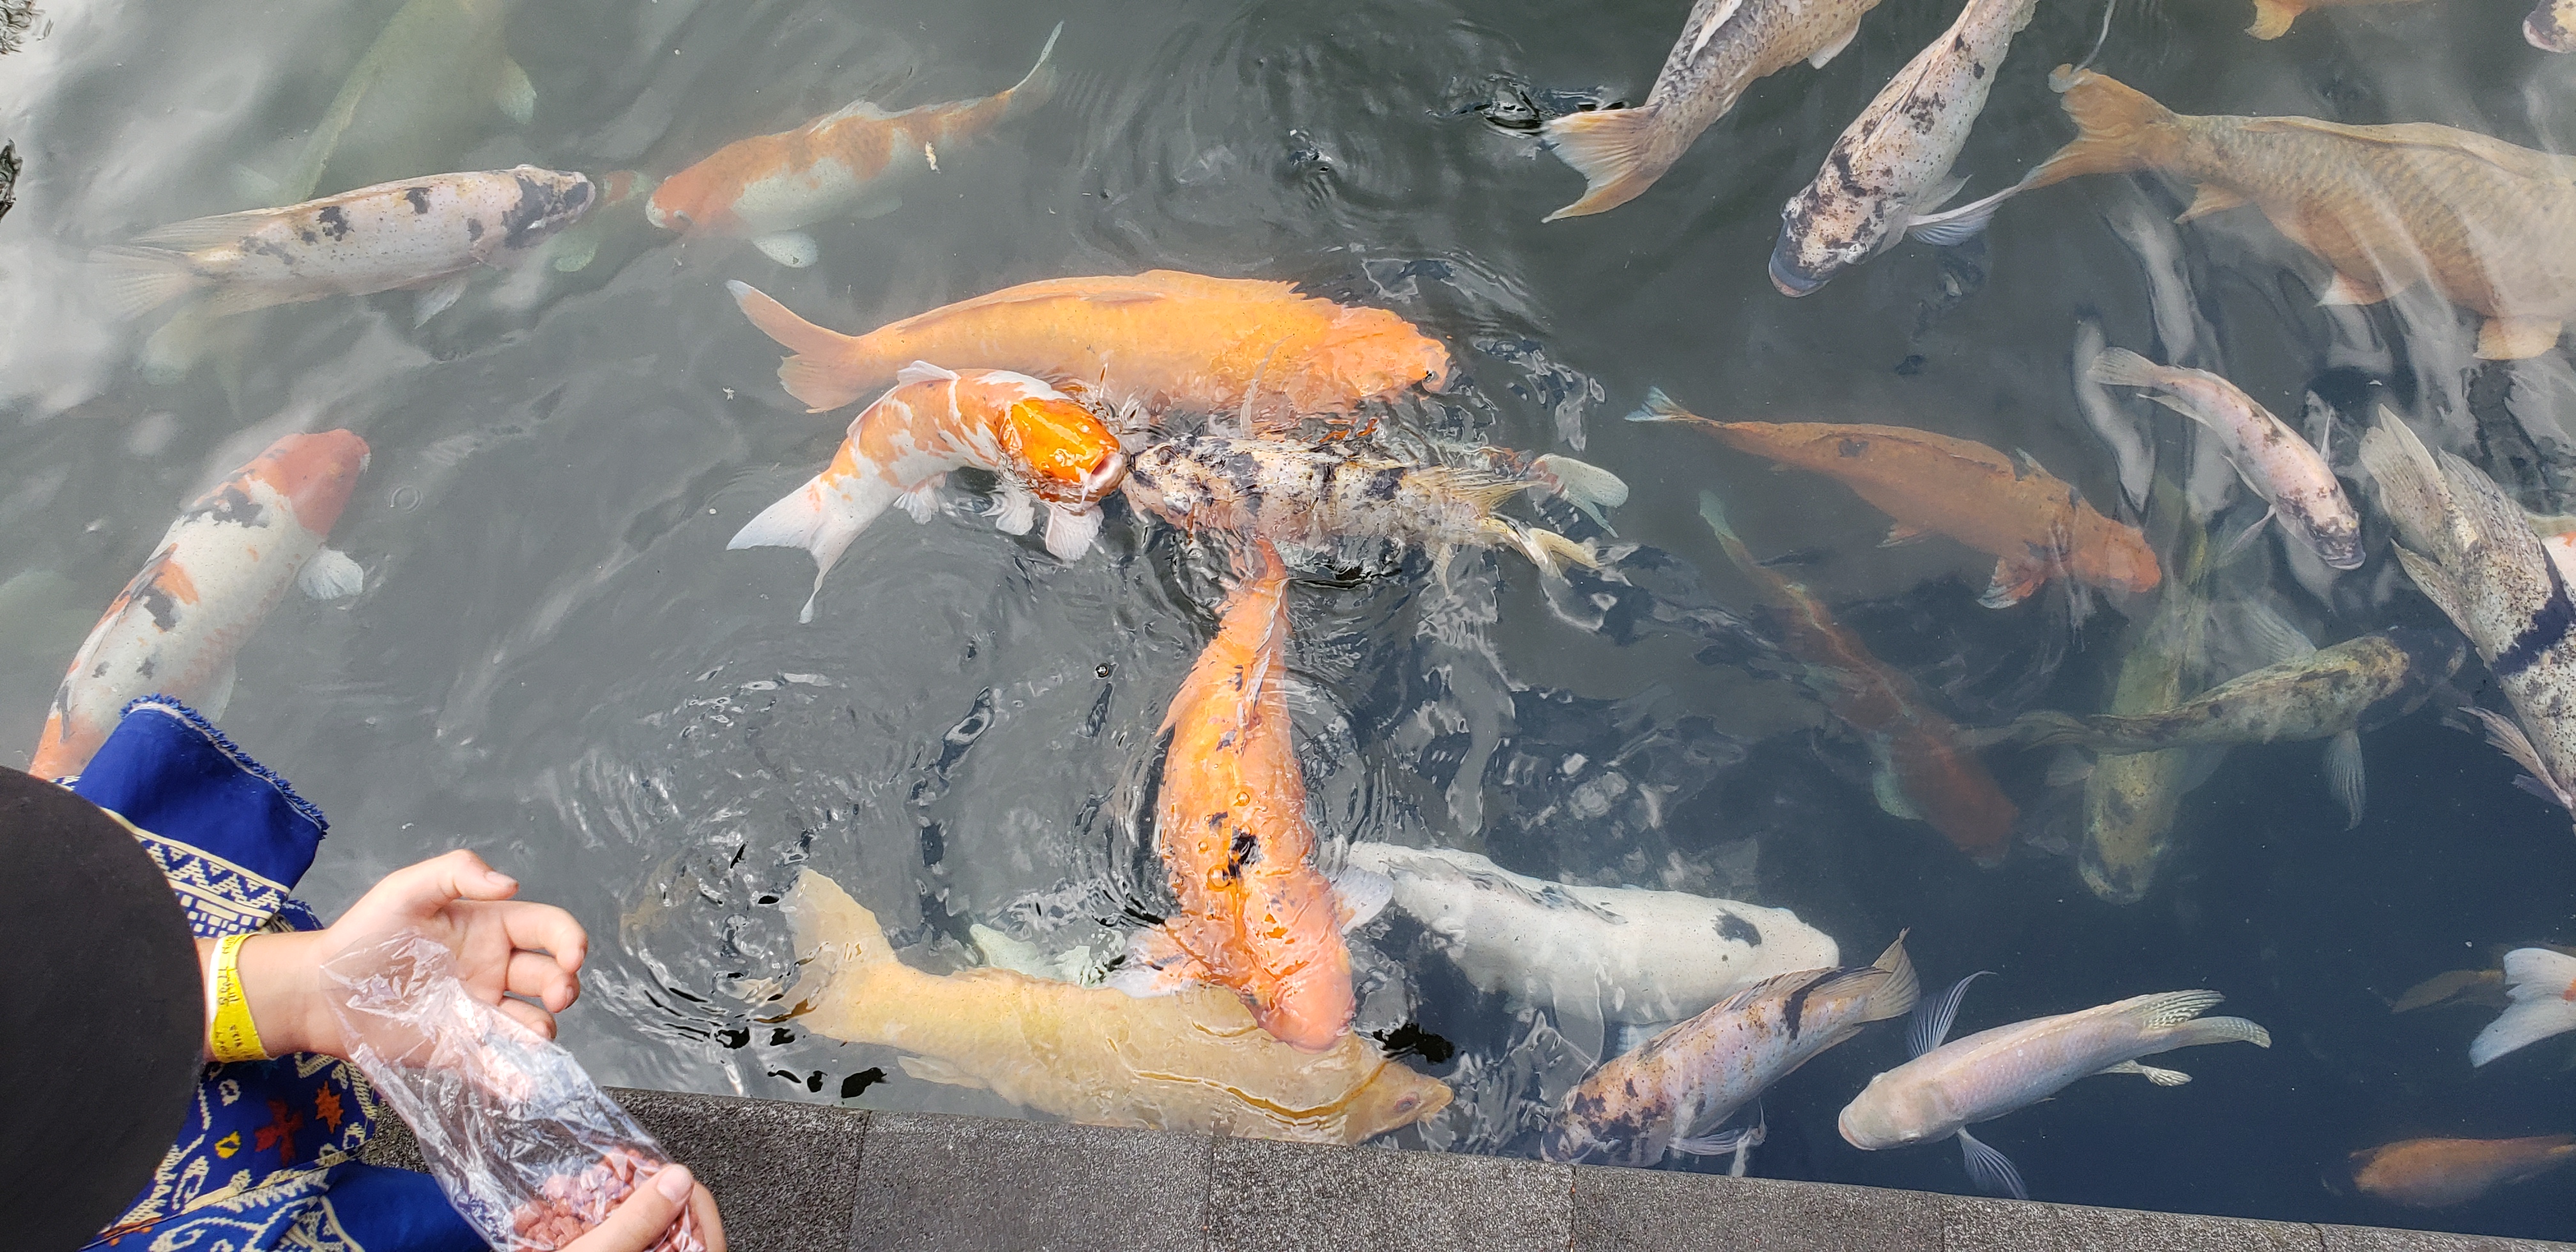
(1045, 449)
(2034, 524)
(1949, 1087)
(217, 572)
(430, 233)
(1626, 955)
(2551, 26)
(2471, 552)
(2277, 464)
(2272, 18)
(1255, 915)
(769, 187)
(1159, 339)
(1725, 45)
(1667, 1096)
(10, 166)
(2359, 684)
(1311, 493)
(1924, 772)
(1893, 162)
(2130, 801)
(2489, 225)
(2437, 1173)
(1194, 1061)
(2542, 987)
(436, 80)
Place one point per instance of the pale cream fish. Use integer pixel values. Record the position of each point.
(1626, 955)
(2276, 463)
(1949, 1087)
(1892, 164)
(2542, 987)
(430, 233)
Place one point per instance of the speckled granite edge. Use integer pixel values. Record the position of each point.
(813, 1178)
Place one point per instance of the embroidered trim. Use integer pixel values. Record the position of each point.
(196, 720)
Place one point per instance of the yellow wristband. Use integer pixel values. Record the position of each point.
(234, 1036)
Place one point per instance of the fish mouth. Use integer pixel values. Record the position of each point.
(1092, 487)
(2541, 30)
(1789, 278)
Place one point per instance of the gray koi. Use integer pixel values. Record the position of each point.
(2274, 461)
(2359, 684)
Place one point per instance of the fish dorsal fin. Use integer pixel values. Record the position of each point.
(1708, 29)
(856, 110)
(1932, 1020)
(1141, 289)
(923, 372)
(2173, 1008)
(2511, 158)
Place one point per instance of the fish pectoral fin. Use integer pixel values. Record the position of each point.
(1990, 1170)
(1834, 49)
(1155, 965)
(930, 1069)
(514, 93)
(792, 248)
(2211, 198)
(922, 502)
(1932, 1018)
(2346, 289)
(219, 693)
(436, 300)
(2160, 1077)
(1903, 533)
(330, 574)
(1719, 1143)
(1359, 895)
(1070, 531)
(2344, 775)
(1015, 510)
(2506, 734)
(1890, 792)
(2227, 555)
(2013, 583)
(2516, 338)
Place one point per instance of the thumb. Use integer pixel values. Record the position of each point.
(639, 1222)
(425, 888)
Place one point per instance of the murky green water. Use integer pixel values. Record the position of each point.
(556, 662)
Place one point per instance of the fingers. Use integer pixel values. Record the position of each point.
(637, 1223)
(543, 978)
(702, 1206)
(530, 1016)
(545, 928)
(421, 890)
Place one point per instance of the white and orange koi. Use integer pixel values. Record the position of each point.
(218, 571)
(769, 187)
(1046, 448)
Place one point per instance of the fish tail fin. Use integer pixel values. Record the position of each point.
(823, 517)
(2272, 18)
(2120, 367)
(1899, 991)
(2048, 728)
(2119, 128)
(828, 369)
(1546, 549)
(1659, 407)
(1038, 85)
(2543, 986)
(841, 944)
(1616, 152)
(2219, 1030)
(139, 280)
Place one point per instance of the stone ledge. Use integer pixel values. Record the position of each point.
(811, 1178)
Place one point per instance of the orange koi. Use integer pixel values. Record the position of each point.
(1924, 772)
(2436, 1173)
(219, 569)
(766, 188)
(1255, 915)
(1046, 449)
(2032, 523)
(1158, 339)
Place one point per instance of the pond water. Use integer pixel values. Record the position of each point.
(556, 661)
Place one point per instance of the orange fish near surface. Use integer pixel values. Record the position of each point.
(2435, 1173)
(2489, 225)
(2032, 523)
(850, 162)
(1255, 914)
(1924, 772)
(1157, 339)
(218, 571)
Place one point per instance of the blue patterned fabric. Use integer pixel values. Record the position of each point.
(266, 1161)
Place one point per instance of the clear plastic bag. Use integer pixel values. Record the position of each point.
(528, 1149)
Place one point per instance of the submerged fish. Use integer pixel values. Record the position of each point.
(215, 575)
(2034, 524)
(2489, 225)
(1618, 954)
(437, 79)
(2471, 552)
(1230, 821)
(850, 162)
(2357, 685)
(2130, 800)
(1193, 1062)
(2437, 1173)
(1725, 45)
(1158, 339)
(1314, 493)
(1924, 772)
(2272, 18)
(428, 232)
(1892, 164)
(1044, 448)
(10, 166)
(1949, 1087)
(2542, 987)
(1669, 1094)
(2274, 461)
(2551, 26)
